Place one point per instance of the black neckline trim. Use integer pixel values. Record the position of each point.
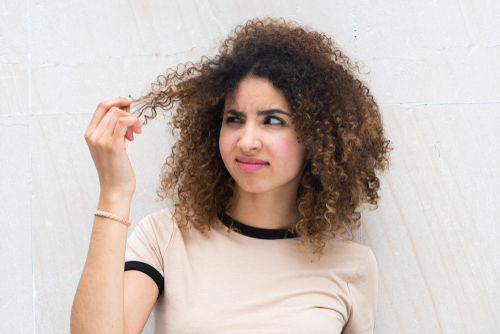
(255, 232)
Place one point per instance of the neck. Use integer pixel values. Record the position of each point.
(270, 210)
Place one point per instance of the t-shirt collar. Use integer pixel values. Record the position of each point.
(255, 232)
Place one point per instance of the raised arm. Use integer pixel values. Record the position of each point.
(105, 293)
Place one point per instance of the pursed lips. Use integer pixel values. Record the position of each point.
(251, 161)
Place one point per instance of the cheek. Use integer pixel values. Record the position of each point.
(287, 151)
(227, 142)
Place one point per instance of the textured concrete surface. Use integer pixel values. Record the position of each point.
(433, 66)
(435, 233)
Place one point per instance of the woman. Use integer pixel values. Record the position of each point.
(278, 146)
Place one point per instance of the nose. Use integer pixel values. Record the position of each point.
(250, 138)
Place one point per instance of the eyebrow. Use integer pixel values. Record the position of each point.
(266, 112)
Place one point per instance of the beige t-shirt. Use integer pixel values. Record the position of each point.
(256, 282)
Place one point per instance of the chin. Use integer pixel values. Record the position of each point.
(253, 187)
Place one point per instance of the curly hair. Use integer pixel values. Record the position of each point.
(334, 114)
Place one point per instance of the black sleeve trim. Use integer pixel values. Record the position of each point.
(148, 270)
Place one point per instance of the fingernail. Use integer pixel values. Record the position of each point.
(130, 99)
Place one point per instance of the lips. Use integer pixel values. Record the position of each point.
(252, 161)
(251, 164)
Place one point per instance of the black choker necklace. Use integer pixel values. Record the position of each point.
(255, 232)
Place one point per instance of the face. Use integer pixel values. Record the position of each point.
(258, 142)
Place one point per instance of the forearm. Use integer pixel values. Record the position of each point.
(98, 303)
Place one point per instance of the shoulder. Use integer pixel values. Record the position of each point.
(159, 221)
(355, 258)
(363, 290)
(362, 280)
(367, 269)
(161, 215)
(363, 260)
(155, 229)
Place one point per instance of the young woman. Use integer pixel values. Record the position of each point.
(278, 146)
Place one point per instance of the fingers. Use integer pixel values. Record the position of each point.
(130, 128)
(102, 109)
(129, 133)
(127, 108)
(111, 121)
(118, 102)
(115, 122)
(123, 124)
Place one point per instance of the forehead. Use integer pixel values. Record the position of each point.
(252, 92)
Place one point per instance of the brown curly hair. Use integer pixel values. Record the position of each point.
(333, 112)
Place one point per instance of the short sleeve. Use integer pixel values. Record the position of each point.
(146, 245)
(363, 288)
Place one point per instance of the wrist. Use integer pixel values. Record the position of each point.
(117, 204)
(114, 197)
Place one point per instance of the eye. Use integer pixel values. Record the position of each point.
(231, 119)
(277, 121)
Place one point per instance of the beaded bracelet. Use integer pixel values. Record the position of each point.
(112, 216)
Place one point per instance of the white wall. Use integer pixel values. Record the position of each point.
(434, 68)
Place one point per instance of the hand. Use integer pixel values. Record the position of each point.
(111, 124)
